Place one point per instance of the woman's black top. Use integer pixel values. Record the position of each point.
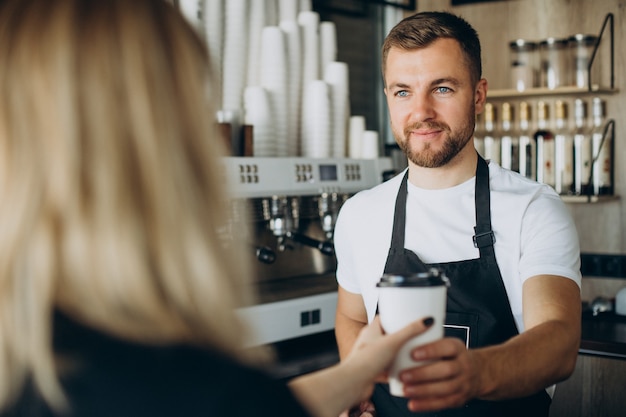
(109, 377)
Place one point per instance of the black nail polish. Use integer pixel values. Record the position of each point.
(428, 321)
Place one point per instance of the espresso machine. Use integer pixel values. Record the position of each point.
(290, 206)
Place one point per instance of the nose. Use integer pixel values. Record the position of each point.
(422, 108)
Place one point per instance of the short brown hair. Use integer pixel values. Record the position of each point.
(422, 29)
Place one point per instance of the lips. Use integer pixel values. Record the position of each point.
(425, 130)
(423, 133)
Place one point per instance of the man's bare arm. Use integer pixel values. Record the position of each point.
(350, 318)
(546, 352)
(541, 356)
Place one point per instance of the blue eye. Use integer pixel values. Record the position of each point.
(443, 90)
(402, 93)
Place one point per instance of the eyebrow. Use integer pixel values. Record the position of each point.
(445, 80)
(449, 80)
(398, 85)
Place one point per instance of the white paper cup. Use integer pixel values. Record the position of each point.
(328, 44)
(369, 144)
(403, 299)
(310, 22)
(356, 129)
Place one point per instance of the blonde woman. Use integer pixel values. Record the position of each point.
(116, 296)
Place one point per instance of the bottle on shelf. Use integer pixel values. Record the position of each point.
(582, 149)
(602, 151)
(491, 139)
(527, 146)
(544, 137)
(564, 150)
(509, 140)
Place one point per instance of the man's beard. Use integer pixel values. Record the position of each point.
(428, 157)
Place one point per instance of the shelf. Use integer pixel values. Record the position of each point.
(589, 198)
(544, 92)
(571, 91)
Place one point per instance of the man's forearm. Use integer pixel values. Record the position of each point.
(346, 333)
(538, 358)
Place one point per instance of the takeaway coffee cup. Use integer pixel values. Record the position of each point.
(403, 299)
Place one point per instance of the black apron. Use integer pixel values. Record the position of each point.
(477, 312)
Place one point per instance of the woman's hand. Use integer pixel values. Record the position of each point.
(328, 392)
(373, 353)
(364, 409)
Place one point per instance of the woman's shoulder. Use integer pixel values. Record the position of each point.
(105, 376)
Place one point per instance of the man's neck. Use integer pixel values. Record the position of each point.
(460, 169)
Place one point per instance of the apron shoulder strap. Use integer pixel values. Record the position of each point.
(483, 237)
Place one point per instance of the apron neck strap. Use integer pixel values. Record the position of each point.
(399, 215)
(483, 238)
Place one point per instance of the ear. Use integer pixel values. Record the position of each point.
(480, 95)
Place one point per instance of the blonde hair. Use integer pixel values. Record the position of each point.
(111, 194)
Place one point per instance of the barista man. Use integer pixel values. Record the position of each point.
(507, 244)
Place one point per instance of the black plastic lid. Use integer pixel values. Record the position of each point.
(432, 278)
(580, 38)
(553, 42)
(522, 45)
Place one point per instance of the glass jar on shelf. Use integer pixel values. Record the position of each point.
(581, 48)
(524, 64)
(554, 63)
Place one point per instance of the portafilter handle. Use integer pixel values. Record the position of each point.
(324, 246)
(328, 205)
(328, 223)
(265, 255)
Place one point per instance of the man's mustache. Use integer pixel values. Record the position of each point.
(426, 126)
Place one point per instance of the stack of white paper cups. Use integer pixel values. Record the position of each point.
(291, 30)
(336, 76)
(259, 115)
(356, 127)
(316, 120)
(309, 22)
(235, 54)
(274, 78)
(370, 145)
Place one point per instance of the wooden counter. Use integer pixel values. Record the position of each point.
(604, 335)
(597, 386)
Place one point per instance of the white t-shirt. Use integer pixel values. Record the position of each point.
(534, 232)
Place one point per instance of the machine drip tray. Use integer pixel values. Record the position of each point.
(295, 287)
(305, 354)
(292, 308)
